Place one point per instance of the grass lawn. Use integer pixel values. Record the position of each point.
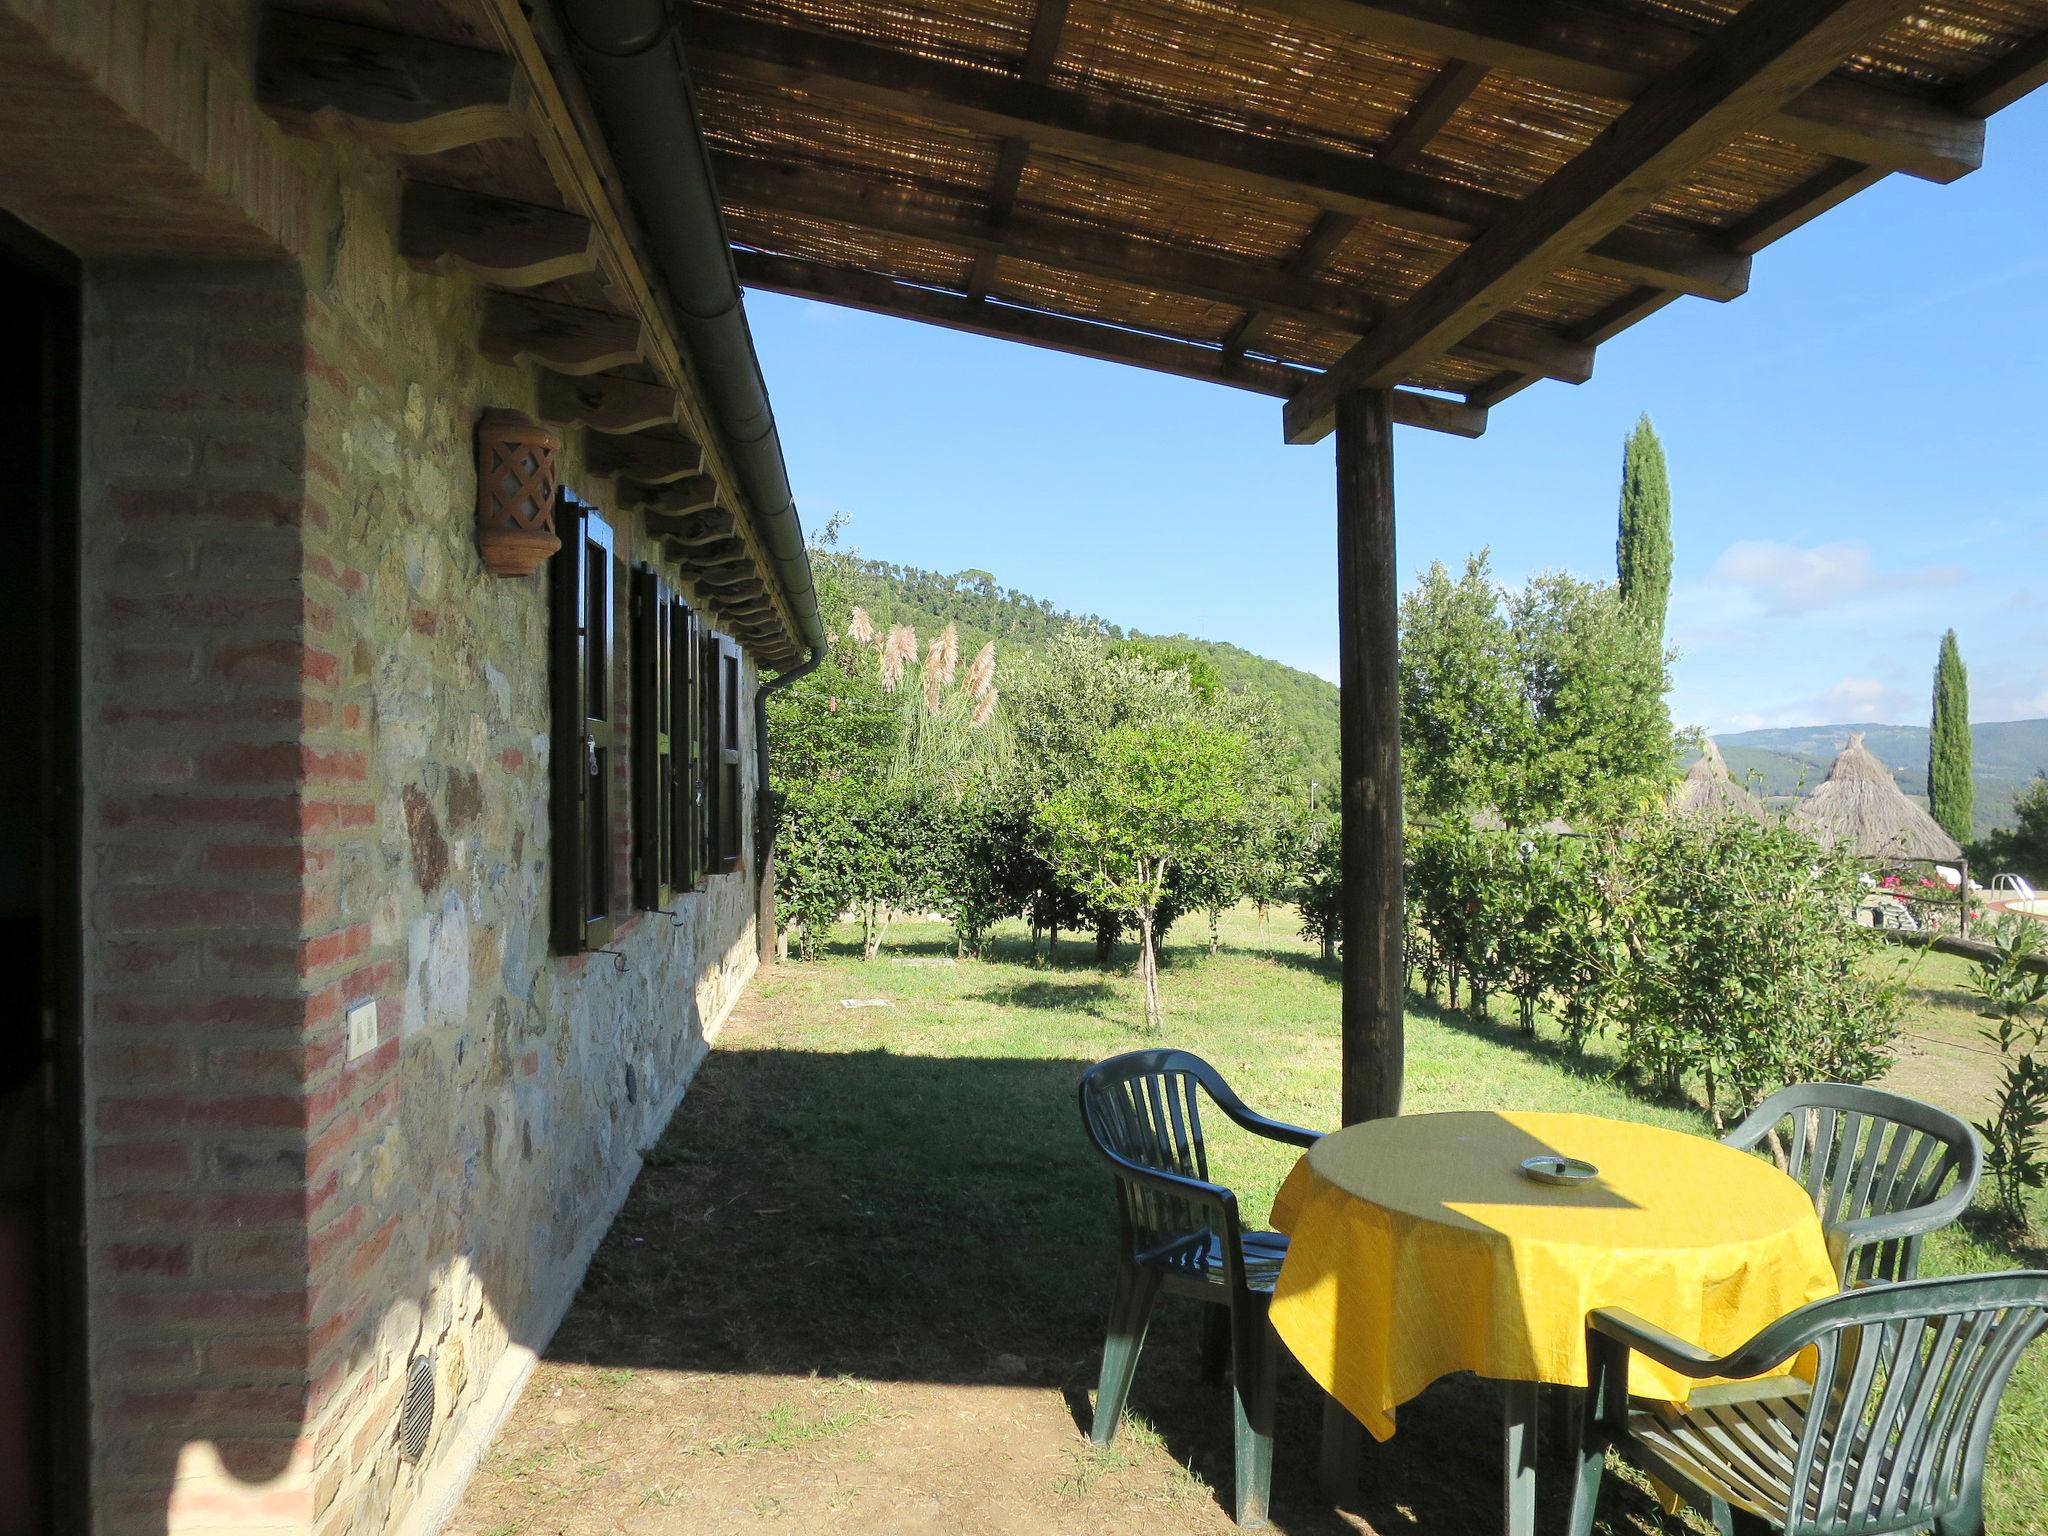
(862, 1282)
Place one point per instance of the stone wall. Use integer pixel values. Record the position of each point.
(317, 758)
(466, 1200)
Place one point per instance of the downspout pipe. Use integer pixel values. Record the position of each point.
(631, 62)
(764, 808)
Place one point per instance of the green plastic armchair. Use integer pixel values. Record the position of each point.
(1887, 1434)
(1883, 1170)
(1181, 1233)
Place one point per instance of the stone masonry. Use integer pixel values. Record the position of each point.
(317, 758)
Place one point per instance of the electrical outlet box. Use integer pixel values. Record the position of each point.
(362, 1030)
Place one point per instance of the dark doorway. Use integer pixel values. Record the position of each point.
(42, 1354)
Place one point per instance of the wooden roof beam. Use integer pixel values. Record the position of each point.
(513, 245)
(519, 328)
(605, 402)
(785, 58)
(1998, 87)
(1148, 263)
(1076, 337)
(1769, 53)
(649, 458)
(1599, 51)
(404, 95)
(1048, 20)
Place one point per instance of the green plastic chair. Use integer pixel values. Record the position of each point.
(1883, 1170)
(1181, 1234)
(1889, 1435)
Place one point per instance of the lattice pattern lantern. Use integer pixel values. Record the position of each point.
(515, 493)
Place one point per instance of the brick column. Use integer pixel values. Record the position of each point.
(217, 968)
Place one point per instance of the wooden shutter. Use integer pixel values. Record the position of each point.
(686, 835)
(711, 781)
(654, 737)
(580, 641)
(731, 805)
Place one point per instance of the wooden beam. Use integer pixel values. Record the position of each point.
(514, 245)
(1772, 50)
(604, 401)
(404, 95)
(1071, 334)
(519, 328)
(1122, 258)
(648, 458)
(697, 493)
(710, 526)
(1434, 105)
(1369, 752)
(1599, 51)
(1048, 20)
(1998, 87)
(562, 124)
(781, 58)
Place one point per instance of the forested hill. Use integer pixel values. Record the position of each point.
(927, 601)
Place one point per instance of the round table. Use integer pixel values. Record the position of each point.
(1417, 1248)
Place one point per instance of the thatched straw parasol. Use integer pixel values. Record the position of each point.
(1708, 793)
(1860, 808)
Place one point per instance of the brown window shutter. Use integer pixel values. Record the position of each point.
(709, 677)
(731, 804)
(686, 758)
(584, 737)
(654, 617)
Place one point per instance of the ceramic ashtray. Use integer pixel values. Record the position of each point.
(1553, 1169)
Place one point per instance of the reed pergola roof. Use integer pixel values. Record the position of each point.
(1456, 197)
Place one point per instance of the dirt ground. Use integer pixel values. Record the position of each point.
(765, 1344)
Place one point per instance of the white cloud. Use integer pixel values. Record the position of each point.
(1785, 579)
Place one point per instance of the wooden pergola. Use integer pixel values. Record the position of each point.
(1380, 211)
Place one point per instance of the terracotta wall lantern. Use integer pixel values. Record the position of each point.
(515, 493)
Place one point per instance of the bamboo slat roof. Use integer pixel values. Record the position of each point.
(1457, 197)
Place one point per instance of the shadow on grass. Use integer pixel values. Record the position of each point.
(929, 1219)
(1098, 998)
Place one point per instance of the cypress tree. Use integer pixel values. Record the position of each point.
(1951, 793)
(1642, 551)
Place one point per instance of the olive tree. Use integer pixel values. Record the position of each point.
(1147, 798)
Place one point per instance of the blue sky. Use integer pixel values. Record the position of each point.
(1858, 450)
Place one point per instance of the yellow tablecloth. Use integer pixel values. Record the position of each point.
(1417, 1248)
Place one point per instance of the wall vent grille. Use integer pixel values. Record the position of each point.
(416, 1411)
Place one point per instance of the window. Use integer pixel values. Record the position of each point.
(710, 731)
(665, 731)
(585, 731)
(730, 805)
(720, 835)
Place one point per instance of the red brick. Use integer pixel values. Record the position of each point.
(279, 1255)
(166, 1112)
(279, 658)
(256, 1353)
(343, 767)
(140, 1165)
(512, 759)
(179, 1213)
(261, 813)
(155, 1065)
(226, 1407)
(169, 1259)
(333, 948)
(252, 1311)
(278, 763)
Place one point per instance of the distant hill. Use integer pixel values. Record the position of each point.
(1792, 760)
(983, 610)
(1786, 762)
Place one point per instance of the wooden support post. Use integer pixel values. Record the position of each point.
(1375, 974)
